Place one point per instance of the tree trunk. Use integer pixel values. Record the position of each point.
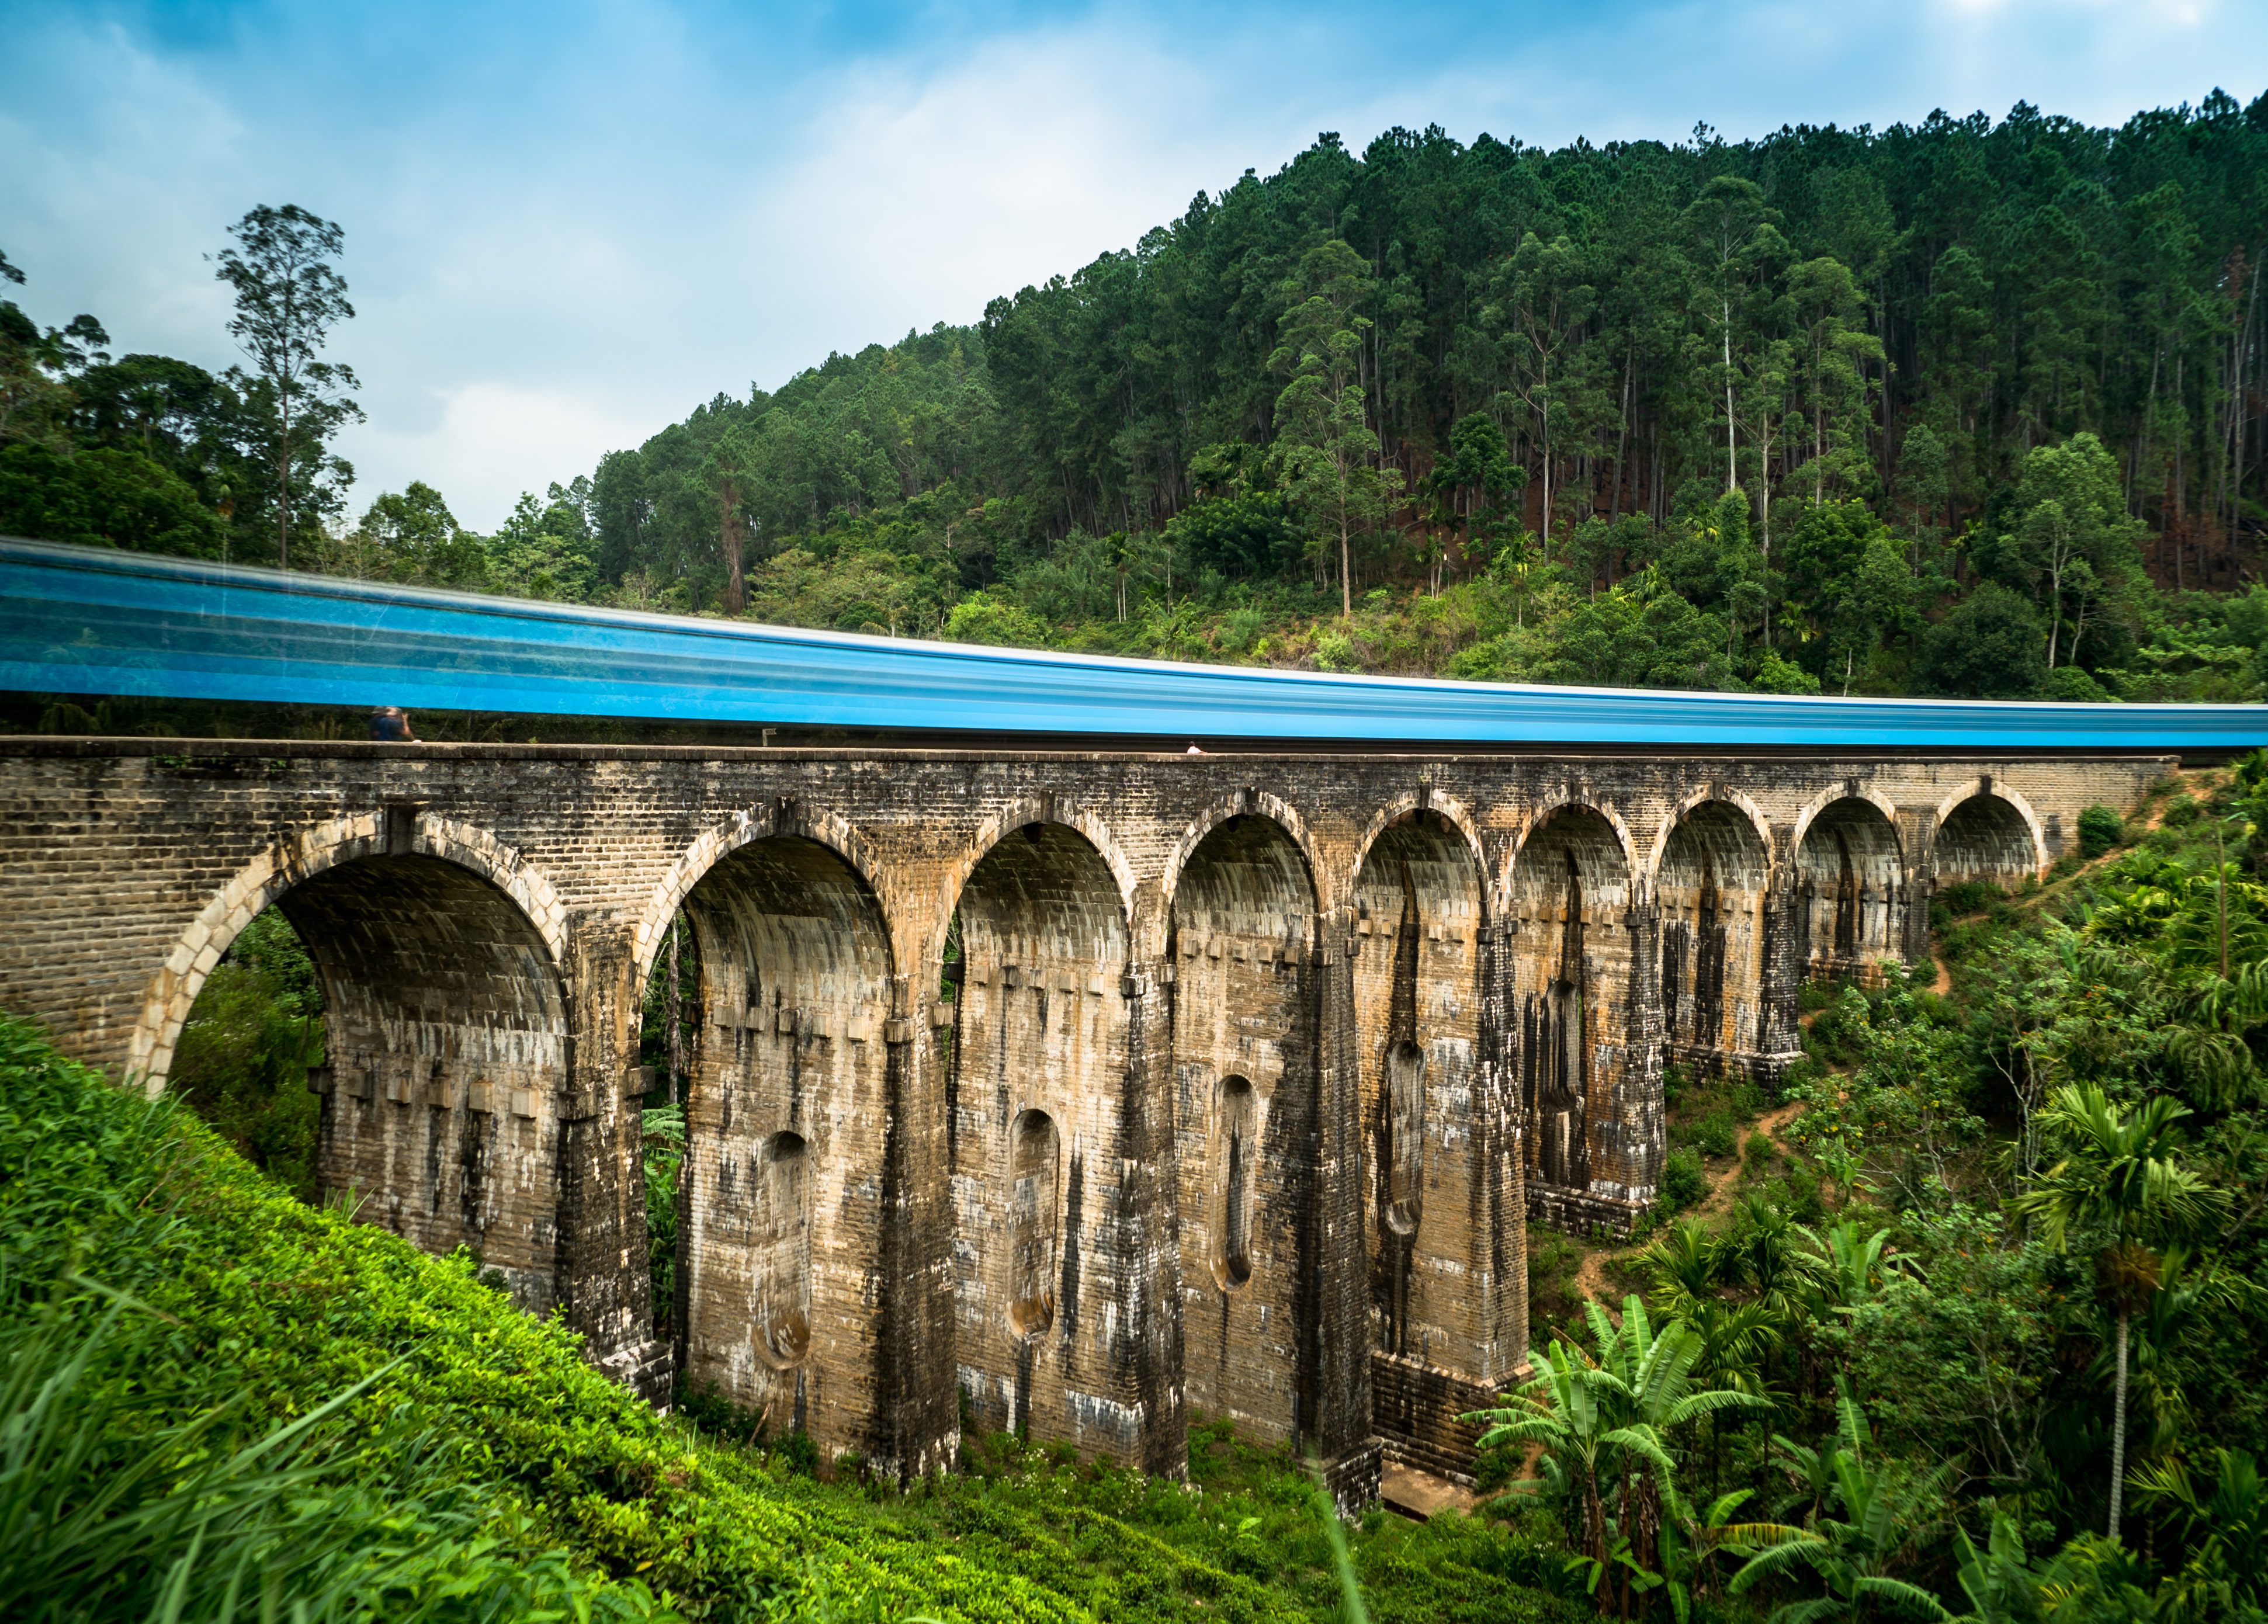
(1621, 447)
(2118, 1433)
(735, 538)
(1595, 1541)
(1545, 415)
(1732, 476)
(284, 483)
(1345, 570)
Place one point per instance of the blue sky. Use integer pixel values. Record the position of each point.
(569, 222)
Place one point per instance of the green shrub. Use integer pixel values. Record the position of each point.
(1798, 1196)
(1759, 1153)
(1970, 896)
(1717, 1132)
(2182, 811)
(1836, 1032)
(155, 1462)
(1683, 1180)
(1815, 995)
(2100, 830)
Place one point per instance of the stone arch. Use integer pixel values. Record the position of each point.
(1456, 814)
(1249, 874)
(173, 992)
(1246, 802)
(1986, 831)
(1240, 938)
(1850, 872)
(1711, 886)
(1043, 1027)
(1721, 794)
(446, 1072)
(1849, 791)
(1022, 814)
(1607, 855)
(786, 1123)
(712, 845)
(1615, 859)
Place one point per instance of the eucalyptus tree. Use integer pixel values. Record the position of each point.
(1732, 227)
(1326, 450)
(289, 297)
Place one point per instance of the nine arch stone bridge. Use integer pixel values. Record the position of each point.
(1099, 1087)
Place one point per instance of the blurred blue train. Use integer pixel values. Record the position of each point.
(91, 622)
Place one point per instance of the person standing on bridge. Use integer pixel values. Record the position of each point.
(390, 724)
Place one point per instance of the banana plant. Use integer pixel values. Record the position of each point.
(1604, 1425)
(1692, 1543)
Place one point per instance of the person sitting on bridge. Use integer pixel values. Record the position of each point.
(390, 724)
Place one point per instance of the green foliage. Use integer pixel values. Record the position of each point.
(1990, 646)
(1904, 1109)
(243, 1055)
(1856, 1555)
(982, 618)
(1604, 1425)
(1683, 1183)
(2101, 829)
(195, 1446)
(663, 1144)
(288, 297)
(2039, 1262)
(103, 497)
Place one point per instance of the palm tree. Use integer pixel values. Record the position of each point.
(1852, 1267)
(2225, 1519)
(1762, 1249)
(1853, 1553)
(2118, 1178)
(1687, 1262)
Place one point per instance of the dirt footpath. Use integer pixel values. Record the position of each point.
(1591, 1276)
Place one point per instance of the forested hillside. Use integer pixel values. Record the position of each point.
(1962, 407)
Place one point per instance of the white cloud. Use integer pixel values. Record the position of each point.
(493, 440)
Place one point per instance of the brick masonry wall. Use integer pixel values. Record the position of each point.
(484, 917)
